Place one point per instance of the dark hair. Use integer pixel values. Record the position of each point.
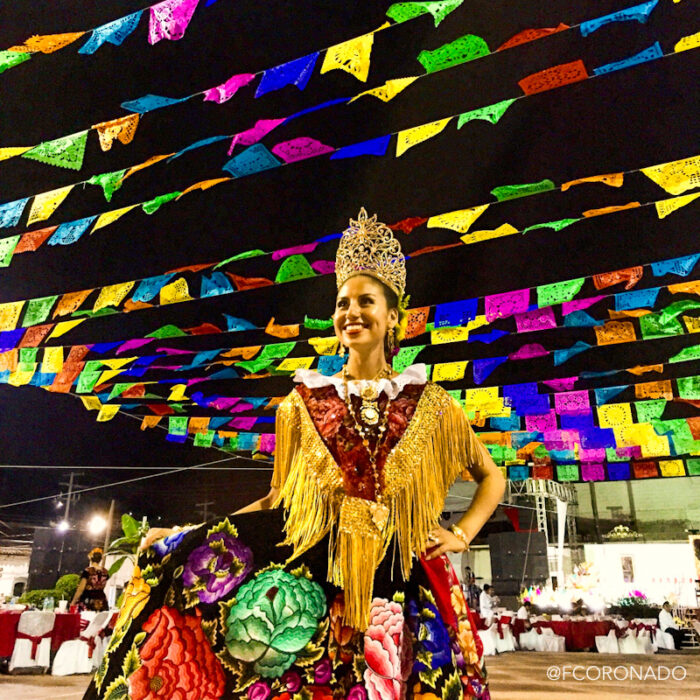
(95, 556)
(665, 603)
(487, 585)
(392, 302)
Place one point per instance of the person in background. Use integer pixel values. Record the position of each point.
(524, 612)
(471, 590)
(90, 594)
(578, 608)
(487, 603)
(668, 624)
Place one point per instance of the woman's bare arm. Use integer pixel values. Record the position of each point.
(264, 503)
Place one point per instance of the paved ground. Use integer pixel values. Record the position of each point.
(515, 676)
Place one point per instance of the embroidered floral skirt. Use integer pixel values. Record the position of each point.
(214, 613)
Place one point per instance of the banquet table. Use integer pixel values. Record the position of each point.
(66, 626)
(578, 634)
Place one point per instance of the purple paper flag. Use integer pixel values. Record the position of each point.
(224, 92)
(294, 250)
(506, 304)
(301, 148)
(535, 320)
(564, 384)
(323, 267)
(593, 472)
(133, 344)
(569, 307)
(243, 422)
(528, 351)
(542, 422)
(169, 19)
(572, 402)
(250, 136)
(483, 368)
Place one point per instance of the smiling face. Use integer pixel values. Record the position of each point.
(362, 316)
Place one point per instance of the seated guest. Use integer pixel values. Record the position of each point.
(524, 612)
(487, 603)
(578, 608)
(668, 624)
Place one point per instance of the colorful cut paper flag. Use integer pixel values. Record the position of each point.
(352, 56)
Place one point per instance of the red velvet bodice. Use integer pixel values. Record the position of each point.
(329, 414)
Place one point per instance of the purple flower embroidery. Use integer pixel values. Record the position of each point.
(218, 566)
(323, 672)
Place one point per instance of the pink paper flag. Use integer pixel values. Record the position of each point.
(267, 443)
(224, 92)
(506, 304)
(541, 422)
(568, 307)
(175, 351)
(564, 384)
(528, 351)
(300, 149)
(133, 344)
(294, 250)
(596, 454)
(560, 439)
(224, 402)
(323, 267)
(535, 320)
(241, 407)
(243, 422)
(169, 19)
(593, 472)
(250, 136)
(572, 403)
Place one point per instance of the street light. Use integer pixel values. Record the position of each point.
(96, 524)
(63, 526)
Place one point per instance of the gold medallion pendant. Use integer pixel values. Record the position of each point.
(369, 411)
(380, 514)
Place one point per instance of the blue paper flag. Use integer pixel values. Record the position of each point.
(569, 422)
(373, 147)
(176, 438)
(637, 299)
(328, 365)
(296, 72)
(148, 103)
(71, 231)
(217, 422)
(455, 313)
(201, 358)
(329, 237)
(512, 422)
(148, 288)
(238, 324)
(99, 348)
(532, 405)
(486, 337)
(561, 356)
(520, 439)
(618, 471)
(214, 285)
(256, 401)
(315, 108)
(518, 472)
(198, 144)
(11, 212)
(114, 32)
(518, 390)
(678, 266)
(254, 159)
(580, 319)
(607, 393)
(227, 373)
(247, 441)
(638, 12)
(650, 54)
(595, 438)
(42, 378)
(9, 339)
(483, 368)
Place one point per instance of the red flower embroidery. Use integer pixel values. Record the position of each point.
(177, 661)
(387, 652)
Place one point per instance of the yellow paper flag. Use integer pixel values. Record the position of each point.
(672, 467)
(9, 315)
(389, 90)
(23, 374)
(112, 295)
(448, 335)
(449, 371)
(109, 217)
(475, 398)
(325, 346)
(46, 203)
(687, 42)
(692, 324)
(614, 415)
(477, 236)
(107, 375)
(91, 403)
(477, 322)
(107, 412)
(178, 392)
(676, 177)
(658, 446)
(417, 134)
(459, 221)
(668, 206)
(53, 359)
(685, 287)
(352, 56)
(291, 364)
(63, 327)
(175, 291)
(12, 151)
(118, 362)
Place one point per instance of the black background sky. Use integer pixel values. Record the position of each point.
(626, 120)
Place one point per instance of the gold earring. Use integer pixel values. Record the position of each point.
(341, 350)
(391, 340)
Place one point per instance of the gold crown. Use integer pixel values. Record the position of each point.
(368, 247)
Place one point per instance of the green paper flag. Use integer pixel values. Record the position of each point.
(37, 310)
(10, 59)
(154, 204)
(177, 425)
(492, 113)
(656, 326)
(204, 439)
(648, 411)
(66, 152)
(241, 256)
(567, 472)
(295, 267)
(677, 308)
(689, 387)
(406, 356)
(119, 389)
(691, 353)
(89, 313)
(506, 192)
(276, 350)
(86, 381)
(28, 355)
(109, 182)
(558, 292)
(256, 365)
(461, 50)
(169, 331)
(7, 249)
(317, 324)
(402, 11)
(555, 225)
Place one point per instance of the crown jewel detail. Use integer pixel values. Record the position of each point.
(368, 247)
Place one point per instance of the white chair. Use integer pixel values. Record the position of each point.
(645, 644)
(607, 643)
(82, 655)
(528, 640)
(33, 643)
(488, 639)
(548, 641)
(664, 640)
(507, 642)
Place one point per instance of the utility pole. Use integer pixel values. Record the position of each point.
(69, 500)
(204, 510)
(108, 530)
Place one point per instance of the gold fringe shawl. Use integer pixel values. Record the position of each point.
(436, 447)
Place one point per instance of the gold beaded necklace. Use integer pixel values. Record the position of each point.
(369, 413)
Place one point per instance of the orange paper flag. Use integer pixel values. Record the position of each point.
(30, 241)
(615, 332)
(630, 275)
(123, 129)
(610, 210)
(47, 43)
(70, 302)
(554, 77)
(612, 179)
(291, 331)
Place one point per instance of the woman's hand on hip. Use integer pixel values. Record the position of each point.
(441, 541)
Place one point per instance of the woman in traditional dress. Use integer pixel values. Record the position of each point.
(90, 594)
(336, 583)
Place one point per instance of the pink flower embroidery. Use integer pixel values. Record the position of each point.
(387, 651)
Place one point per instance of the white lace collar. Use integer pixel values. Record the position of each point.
(415, 374)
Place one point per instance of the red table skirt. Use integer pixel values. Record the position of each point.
(67, 626)
(578, 634)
